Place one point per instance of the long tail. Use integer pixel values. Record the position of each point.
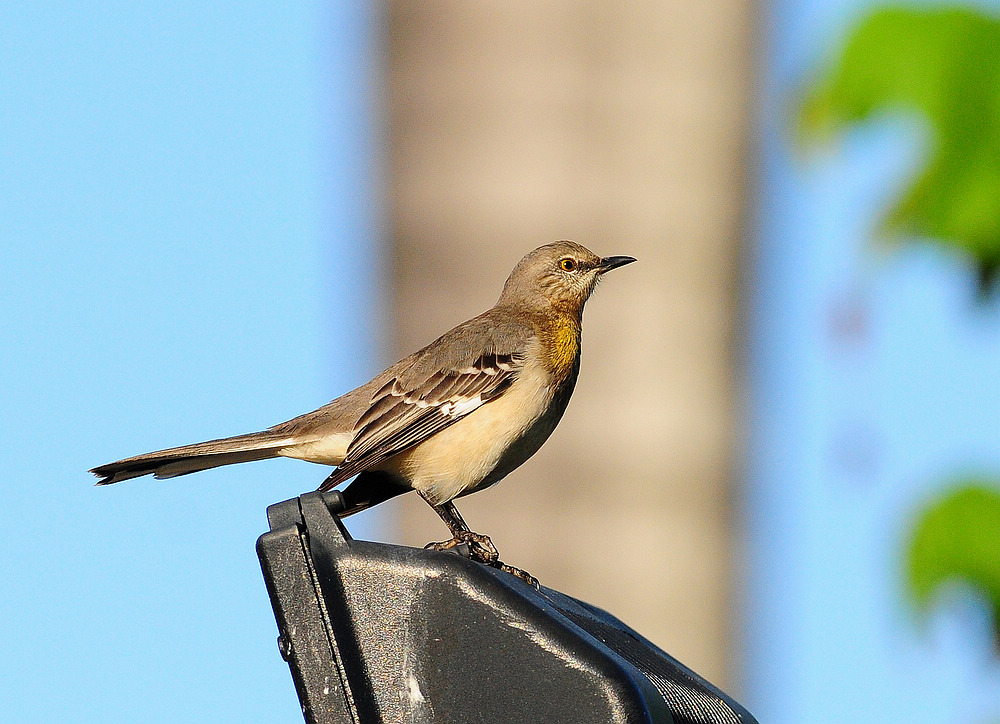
(192, 458)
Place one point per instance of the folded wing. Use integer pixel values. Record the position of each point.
(404, 413)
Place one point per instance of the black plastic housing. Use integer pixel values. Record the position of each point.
(382, 633)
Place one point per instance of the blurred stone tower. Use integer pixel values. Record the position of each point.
(622, 126)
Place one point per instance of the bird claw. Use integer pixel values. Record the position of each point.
(481, 548)
(523, 575)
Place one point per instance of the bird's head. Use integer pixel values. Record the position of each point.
(562, 274)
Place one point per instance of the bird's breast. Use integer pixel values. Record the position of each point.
(484, 446)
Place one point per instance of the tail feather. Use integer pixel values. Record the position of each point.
(192, 458)
(370, 488)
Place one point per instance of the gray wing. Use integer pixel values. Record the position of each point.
(402, 415)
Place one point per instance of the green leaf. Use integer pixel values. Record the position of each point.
(943, 63)
(957, 539)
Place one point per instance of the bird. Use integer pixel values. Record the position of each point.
(451, 419)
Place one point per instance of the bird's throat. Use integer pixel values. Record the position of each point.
(563, 344)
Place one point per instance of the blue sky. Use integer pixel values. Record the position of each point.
(187, 225)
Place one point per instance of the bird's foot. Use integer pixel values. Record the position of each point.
(481, 548)
(523, 575)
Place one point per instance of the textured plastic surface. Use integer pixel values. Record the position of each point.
(381, 633)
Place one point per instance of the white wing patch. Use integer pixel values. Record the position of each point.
(459, 408)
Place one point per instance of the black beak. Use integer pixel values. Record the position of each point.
(613, 262)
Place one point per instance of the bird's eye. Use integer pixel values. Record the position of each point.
(567, 264)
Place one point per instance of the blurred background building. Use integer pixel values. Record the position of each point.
(782, 460)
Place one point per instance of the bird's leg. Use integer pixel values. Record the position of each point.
(481, 547)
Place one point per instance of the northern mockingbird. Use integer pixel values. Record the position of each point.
(453, 418)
